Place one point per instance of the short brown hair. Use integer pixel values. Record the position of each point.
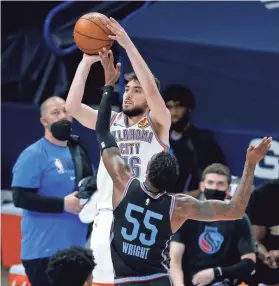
(218, 169)
(44, 104)
(132, 76)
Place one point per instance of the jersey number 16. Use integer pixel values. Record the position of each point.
(133, 162)
(136, 225)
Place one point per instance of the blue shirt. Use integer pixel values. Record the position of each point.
(50, 169)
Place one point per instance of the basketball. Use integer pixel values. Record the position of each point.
(91, 33)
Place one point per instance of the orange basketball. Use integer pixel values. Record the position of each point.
(91, 33)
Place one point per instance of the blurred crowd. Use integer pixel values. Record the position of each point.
(223, 252)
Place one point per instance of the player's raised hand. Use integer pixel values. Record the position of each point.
(256, 153)
(112, 72)
(120, 34)
(91, 59)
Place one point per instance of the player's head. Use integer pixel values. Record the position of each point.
(55, 119)
(181, 102)
(134, 99)
(216, 179)
(71, 267)
(162, 171)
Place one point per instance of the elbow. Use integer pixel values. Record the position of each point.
(71, 108)
(17, 199)
(236, 212)
(239, 216)
(17, 204)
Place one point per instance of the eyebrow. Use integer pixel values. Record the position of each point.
(55, 109)
(137, 86)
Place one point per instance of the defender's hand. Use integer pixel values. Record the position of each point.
(256, 153)
(112, 72)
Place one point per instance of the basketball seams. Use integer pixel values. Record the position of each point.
(95, 24)
(92, 37)
(94, 49)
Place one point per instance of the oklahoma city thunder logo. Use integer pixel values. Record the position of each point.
(210, 241)
(143, 123)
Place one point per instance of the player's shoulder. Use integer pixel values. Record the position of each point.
(34, 149)
(167, 119)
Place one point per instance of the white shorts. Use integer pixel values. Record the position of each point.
(90, 210)
(100, 244)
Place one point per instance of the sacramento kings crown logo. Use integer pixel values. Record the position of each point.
(210, 241)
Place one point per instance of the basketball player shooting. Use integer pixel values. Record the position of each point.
(145, 216)
(141, 131)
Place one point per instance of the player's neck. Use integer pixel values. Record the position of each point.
(150, 188)
(130, 121)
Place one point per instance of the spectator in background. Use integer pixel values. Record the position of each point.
(45, 178)
(194, 148)
(263, 210)
(71, 267)
(203, 253)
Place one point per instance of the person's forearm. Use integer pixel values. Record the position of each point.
(28, 199)
(142, 70)
(177, 276)
(104, 137)
(104, 112)
(74, 98)
(241, 270)
(242, 194)
(262, 251)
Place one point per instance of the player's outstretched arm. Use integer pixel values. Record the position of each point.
(119, 172)
(211, 210)
(86, 115)
(159, 113)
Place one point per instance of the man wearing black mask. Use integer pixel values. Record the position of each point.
(194, 148)
(203, 253)
(45, 180)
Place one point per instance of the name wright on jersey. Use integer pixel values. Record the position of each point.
(135, 250)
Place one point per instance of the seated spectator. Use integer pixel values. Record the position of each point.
(203, 253)
(71, 267)
(264, 216)
(194, 148)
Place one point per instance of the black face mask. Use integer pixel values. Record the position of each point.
(215, 194)
(61, 130)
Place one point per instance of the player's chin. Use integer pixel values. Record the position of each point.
(127, 108)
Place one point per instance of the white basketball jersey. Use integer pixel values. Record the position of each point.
(137, 144)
